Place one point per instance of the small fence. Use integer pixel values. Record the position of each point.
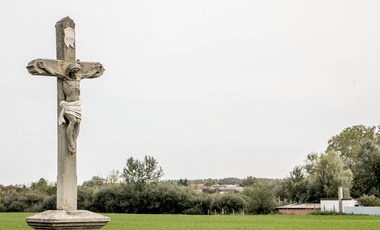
(362, 210)
(238, 212)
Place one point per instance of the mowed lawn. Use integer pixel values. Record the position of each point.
(16, 221)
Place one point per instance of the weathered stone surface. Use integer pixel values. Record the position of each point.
(66, 219)
(69, 73)
(61, 66)
(67, 163)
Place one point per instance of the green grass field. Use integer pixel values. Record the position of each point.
(16, 221)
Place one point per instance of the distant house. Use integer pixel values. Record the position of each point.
(224, 188)
(230, 188)
(298, 209)
(331, 204)
(10, 191)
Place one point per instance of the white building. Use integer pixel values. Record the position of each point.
(332, 204)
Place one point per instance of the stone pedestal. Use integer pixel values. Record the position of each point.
(66, 219)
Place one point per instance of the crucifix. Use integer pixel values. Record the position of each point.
(69, 73)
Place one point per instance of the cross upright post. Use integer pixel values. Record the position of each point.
(69, 74)
(67, 163)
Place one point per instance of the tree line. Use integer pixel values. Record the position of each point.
(351, 161)
(138, 189)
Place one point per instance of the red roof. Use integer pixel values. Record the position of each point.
(10, 191)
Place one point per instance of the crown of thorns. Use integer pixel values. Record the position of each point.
(71, 67)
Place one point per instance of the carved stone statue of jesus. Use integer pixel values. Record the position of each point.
(71, 107)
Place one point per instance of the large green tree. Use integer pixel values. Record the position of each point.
(209, 182)
(96, 181)
(113, 177)
(229, 180)
(366, 170)
(346, 143)
(184, 182)
(327, 174)
(261, 198)
(295, 191)
(142, 172)
(319, 178)
(249, 181)
(44, 187)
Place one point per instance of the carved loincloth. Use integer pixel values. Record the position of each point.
(74, 108)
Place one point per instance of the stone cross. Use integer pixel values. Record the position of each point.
(69, 73)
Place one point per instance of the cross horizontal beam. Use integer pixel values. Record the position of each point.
(60, 66)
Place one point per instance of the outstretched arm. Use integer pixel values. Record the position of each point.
(94, 73)
(41, 65)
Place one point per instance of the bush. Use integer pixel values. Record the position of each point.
(27, 201)
(148, 199)
(228, 203)
(16, 206)
(319, 212)
(260, 198)
(108, 199)
(84, 197)
(369, 200)
(193, 211)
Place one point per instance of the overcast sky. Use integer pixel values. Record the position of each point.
(208, 88)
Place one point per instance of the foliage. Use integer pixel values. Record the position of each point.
(39, 197)
(369, 200)
(229, 180)
(325, 175)
(294, 184)
(366, 170)
(228, 203)
(169, 181)
(281, 192)
(346, 144)
(209, 182)
(49, 203)
(184, 182)
(113, 177)
(329, 175)
(261, 198)
(95, 181)
(44, 187)
(85, 197)
(319, 178)
(29, 201)
(142, 172)
(198, 181)
(249, 181)
(152, 198)
(209, 191)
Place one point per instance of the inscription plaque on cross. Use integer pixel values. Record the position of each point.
(69, 73)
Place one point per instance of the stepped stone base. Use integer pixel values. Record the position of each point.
(66, 219)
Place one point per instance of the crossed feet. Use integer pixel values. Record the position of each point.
(72, 149)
